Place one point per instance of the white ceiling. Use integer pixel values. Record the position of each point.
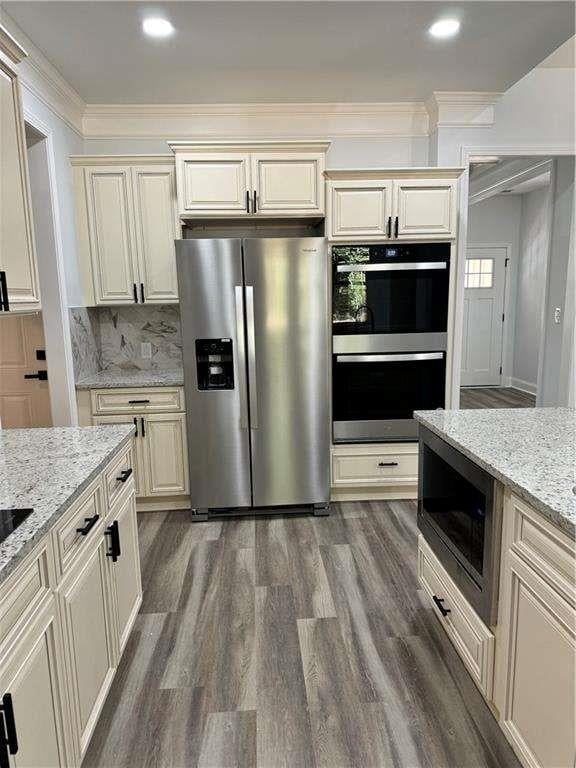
(290, 51)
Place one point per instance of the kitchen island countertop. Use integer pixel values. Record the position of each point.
(530, 450)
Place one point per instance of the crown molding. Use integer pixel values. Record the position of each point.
(426, 172)
(37, 76)
(269, 145)
(10, 47)
(461, 109)
(237, 121)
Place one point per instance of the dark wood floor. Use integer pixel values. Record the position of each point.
(495, 397)
(291, 643)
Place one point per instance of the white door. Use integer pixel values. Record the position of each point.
(30, 676)
(361, 209)
(213, 184)
(112, 242)
(425, 208)
(287, 184)
(483, 322)
(126, 570)
(17, 254)
(165, 455)
(156, 225)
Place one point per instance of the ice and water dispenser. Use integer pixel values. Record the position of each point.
(214, 364)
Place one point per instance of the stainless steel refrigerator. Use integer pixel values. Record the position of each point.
(256, 347)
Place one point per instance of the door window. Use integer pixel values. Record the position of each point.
(479, 273)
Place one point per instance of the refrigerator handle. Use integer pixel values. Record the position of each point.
(250, 335)
(241, 352)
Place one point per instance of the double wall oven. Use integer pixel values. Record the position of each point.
(389, 323)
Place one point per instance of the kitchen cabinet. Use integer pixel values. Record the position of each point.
(246, 179)
(127, 224)
(392, 204)
(160, 446)
(19, 286)
(374, 471)
(536, 666)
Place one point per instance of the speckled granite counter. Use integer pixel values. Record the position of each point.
(133, 378)
(47, 469)
(531, 450)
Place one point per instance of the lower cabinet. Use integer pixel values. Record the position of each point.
(33, 695)
(536, 669)
(374, 471)
(165, 455)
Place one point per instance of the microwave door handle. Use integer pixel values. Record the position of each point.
(393, 266)
(391, 358)
(241, 352)
(251, 351)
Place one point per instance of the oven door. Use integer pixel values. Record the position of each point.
(375, 395)
(398, 297)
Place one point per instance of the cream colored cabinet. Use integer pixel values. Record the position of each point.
(33, 695)
(536, 668)
(237, 180)
(165, 456)
(85, 606)
(18, 269)
(373, 471)
(138, 449)
(392, 204)
(127, 224)
(125, 568)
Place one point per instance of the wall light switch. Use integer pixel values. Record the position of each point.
(146, 350)
(557, 315)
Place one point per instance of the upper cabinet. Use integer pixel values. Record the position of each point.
(236, 180)
(392, 204)
(19, 289)
(127, 223)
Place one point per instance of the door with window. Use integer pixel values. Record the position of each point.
(483, 321)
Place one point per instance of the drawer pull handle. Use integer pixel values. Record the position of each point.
(387, 463)
(124, 475)
(138, 402)
(114, 533)
(8, 736)
(90, 523)
(440, 604)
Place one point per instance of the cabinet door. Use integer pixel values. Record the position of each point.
(126, 570)
(359, 209)
(33, 675)
(537, 663)
(156, 225)
(165, 455)
(89, 637)
(425, 208)
(17, 253)
(213, 184)
(110, 225)
(138, 446)
(288, 185)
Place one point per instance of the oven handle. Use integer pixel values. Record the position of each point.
(392, 267)
(412, 357)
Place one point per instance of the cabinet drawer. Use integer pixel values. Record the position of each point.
(110, 401)
(366, 466)
(68, 542)
(25, 589)
(470, 636)
(118, 476)
(546, 549)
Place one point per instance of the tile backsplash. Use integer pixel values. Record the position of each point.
(110, 338)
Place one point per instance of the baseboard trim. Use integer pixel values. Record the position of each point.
(524, 386)
(393, 493)
(164, 504)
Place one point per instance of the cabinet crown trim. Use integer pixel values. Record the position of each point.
(120, 160)
(10, 47)
(271, 145)
(356, 174)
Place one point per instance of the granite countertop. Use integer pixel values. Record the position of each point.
(47, 469)
(531, 450)
(133, 377)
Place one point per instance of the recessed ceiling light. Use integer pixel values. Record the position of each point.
(154, 26)
(445, 28)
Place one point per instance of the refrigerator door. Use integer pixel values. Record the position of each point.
(212, 317)
(288, 369)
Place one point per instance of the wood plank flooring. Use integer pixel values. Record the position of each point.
(291, 642)
(495, 397)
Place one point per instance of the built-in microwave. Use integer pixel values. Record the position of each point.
(390, 289)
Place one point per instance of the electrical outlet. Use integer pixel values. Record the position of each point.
(557, 315)
(146, 350)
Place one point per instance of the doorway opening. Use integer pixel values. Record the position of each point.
(515, 277)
